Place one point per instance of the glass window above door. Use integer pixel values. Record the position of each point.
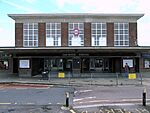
(99, 34)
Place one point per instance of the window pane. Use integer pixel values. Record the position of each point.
(3, 64)
(25, 32)
(121, 26)
(93, 26)
(126, 26)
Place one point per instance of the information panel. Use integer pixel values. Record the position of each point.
(128, 61)
(24, 63)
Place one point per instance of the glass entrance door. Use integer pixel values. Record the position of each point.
(53, 64)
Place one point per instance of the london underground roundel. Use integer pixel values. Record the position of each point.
(76, 32)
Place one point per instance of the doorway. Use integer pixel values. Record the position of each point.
(85, 65)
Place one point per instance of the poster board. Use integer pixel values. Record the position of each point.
(146, 64)
(128, 61)
(24, 63)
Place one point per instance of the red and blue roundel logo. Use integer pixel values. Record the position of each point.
(76, 31)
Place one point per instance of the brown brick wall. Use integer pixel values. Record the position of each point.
(110, 34)
(18, 34)
(64, 34)
(87, 34)
(132, 34)
(42, 34)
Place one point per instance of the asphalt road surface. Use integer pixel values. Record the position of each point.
(14, 94)
(96, 96)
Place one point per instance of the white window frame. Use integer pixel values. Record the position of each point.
(121, 34)
(30, 35)
(76, 34)
(99, 34)
(53, 34)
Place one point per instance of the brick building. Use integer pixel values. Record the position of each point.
(75, 43)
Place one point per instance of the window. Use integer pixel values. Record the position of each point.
(76, 34)
(121, 34)
(3, 64)
(99, 34)
(147, 63)
(53, 34)
(30, 34)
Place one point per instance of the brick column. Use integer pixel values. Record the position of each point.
(110, 34)
(87, 34)
(42, 34)
(132, 34)
(64, 34)
(18, 34)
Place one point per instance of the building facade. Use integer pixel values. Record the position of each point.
(75, 43)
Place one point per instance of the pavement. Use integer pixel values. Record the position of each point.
(35, 109)
(79, 82)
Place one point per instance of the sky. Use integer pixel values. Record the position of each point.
(7, 25)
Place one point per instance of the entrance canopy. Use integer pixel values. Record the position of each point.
(14, 50)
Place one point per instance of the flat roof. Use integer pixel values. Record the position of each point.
(72, 15)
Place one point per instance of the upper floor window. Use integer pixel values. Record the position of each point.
(121, 34)
(30, 34)
(53, 34)
(76, 34)
(99, 34)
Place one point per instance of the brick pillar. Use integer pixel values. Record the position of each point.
(64, 34)
(87, 34)
(42, 35)
(18, 34)
(110, 34)
(132, 34)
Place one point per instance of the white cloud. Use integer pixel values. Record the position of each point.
(60, 3)
(7, 37)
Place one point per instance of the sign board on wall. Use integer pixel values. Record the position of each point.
(24, 63)
(128, 61)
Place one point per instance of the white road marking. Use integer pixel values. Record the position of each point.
(5, 103)
(83, 98)
(21, 88)
(59, 103)
(84, 91)
(42, 88)
(30, 103)
(72, 111)
(49, 103)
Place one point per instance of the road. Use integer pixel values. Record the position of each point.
(107, 95)
(23, 98)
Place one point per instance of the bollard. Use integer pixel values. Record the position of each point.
(67, 99)
(144, 97)
(117, 79)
